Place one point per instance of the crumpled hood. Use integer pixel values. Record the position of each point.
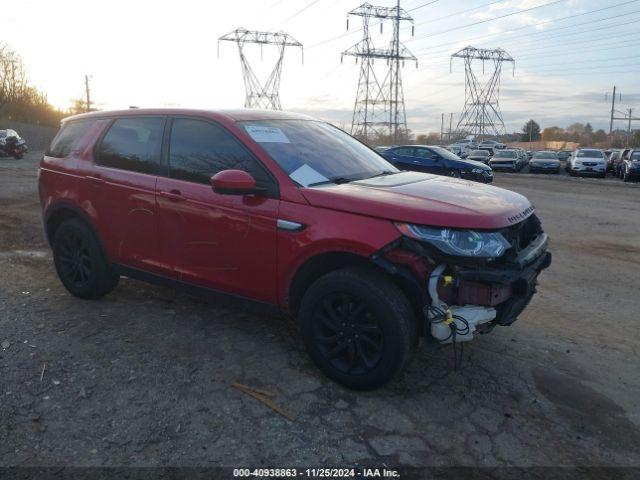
(426, 200)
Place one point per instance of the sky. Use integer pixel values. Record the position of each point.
(165, 54)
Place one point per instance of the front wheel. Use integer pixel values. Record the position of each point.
(358, 327)
(454, 173)
(80, 262)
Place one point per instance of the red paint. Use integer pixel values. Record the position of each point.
(231, 242)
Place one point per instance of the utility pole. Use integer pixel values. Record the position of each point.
(258, 94)
(613, 109)
(629, 128)
(86, 87)
(450, 126)
(379, 107)
(481, 112)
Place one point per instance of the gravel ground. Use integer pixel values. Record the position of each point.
(143, 377)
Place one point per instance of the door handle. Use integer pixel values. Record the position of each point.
(97, 180)
(173, 195)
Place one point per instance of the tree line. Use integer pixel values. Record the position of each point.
(20, 100)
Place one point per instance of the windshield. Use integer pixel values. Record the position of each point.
(479, 153)
(635, 156)
(589, 154)
(444, 153)
(544, 156)
(3, 133)
(506, 154)
(313, 152)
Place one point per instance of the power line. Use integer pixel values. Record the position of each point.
(555, 2)
(423, 5)
(309, 5)
(507, 32)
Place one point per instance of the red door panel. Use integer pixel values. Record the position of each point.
(223, 242)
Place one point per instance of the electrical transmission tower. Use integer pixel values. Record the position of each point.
(259, 95)
(481, 114)
(379, 108)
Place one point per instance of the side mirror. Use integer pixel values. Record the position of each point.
(234, 182)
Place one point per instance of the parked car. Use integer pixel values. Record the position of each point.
(466, 146)
(631, 166)
(544, 162)
(491, 144)
(588, 161)
(507, 160)
(289, 214)
(437, 160)
(479, 156)
(619, 165)
(613, 159)
(455, 149)
(564, 154)
(12, 145)
(524, 157)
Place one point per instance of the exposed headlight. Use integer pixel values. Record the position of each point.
(460, 243)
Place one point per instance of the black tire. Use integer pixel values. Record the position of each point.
(369, 352)
(80, 263)
(625, 176)
(18, 157)
(454, 174)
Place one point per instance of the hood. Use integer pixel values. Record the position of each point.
(470, 162)
(544, 161)
(426, 200)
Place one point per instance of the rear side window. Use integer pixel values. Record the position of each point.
(406, 151)
(132, 144)
(199, 149)
(68, 135)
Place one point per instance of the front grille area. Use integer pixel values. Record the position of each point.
(522, 234)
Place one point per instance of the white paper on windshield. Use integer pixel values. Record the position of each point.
(305, 176)
(264, 134)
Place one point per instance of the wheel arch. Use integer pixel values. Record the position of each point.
(59, 213)
(323, 263)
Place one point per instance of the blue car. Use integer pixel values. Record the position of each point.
(437, 160)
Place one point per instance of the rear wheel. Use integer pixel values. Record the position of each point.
(358, 327)
(18, 156)
(80, 262)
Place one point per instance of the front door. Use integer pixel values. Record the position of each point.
(223, 242)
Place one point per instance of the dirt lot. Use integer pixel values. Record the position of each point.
(143, 377)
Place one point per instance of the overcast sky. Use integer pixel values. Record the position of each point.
(164, 53)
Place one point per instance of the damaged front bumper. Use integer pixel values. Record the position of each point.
(460, 296)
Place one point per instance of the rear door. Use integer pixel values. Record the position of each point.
(123, 182)
(429, 161)
(223, 242)
(402, 157)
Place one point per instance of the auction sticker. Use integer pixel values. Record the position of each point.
(263, 134)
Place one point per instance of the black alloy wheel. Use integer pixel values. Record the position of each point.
(76, 265)
(359, 328)
(80, 262)
(348, 334)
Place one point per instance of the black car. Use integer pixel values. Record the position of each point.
(480, 156)
(12, 145)
(437, 160)
(564, 154)
(631, 166)
(544, 162)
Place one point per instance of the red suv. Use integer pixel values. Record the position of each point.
(289, 213)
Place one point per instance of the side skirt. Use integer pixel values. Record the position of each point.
(213, 296)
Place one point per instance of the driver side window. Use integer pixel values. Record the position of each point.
(199, 149)
(404, 151)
